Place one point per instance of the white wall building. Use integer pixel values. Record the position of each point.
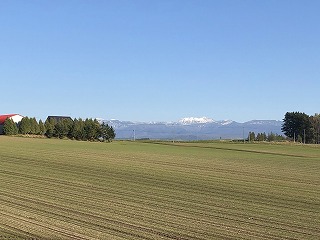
(15, 117)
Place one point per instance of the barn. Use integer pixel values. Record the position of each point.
(15, 117)
(58, 118)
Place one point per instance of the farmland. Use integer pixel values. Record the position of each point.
(63, 189)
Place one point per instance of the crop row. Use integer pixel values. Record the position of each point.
(136, 194)
(98, 192)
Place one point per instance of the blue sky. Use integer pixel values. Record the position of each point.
(146, 60)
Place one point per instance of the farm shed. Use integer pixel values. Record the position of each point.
(58, 118)
(15, 117)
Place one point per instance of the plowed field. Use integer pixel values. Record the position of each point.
(63, 189)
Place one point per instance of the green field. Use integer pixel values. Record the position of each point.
(63, 189)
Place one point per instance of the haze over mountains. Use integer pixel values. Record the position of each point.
(192, 128)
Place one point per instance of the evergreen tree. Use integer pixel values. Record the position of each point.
(251, 136)
(59, 130)
(81, 133)
(25, 126)
(77, 130)
(42, 128)
(112, 133)
(49, 126)
(258, 137)
(97, 127)
(104, 132)
(10, 127)
(68, 123)
(34, 126)
(261, 137)
(297, 124)
(91, 129)
(315, 122)
(63, 128)
(271, 137)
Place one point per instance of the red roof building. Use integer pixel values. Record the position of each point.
(15, 117)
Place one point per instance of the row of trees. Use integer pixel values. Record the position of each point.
(86, 130)
(301, 127)
(271, 137)
(10, 128)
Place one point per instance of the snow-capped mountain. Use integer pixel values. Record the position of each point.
(192, 128)
(195, 120)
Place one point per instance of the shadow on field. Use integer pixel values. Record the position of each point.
(230, 149)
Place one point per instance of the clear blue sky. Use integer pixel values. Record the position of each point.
(150, 60)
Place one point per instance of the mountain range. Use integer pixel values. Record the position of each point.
(192, 128)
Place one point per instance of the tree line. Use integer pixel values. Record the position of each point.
(300, 127)
(78, 129)
(260, 137)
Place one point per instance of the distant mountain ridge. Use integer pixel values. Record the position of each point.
(192, 128)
